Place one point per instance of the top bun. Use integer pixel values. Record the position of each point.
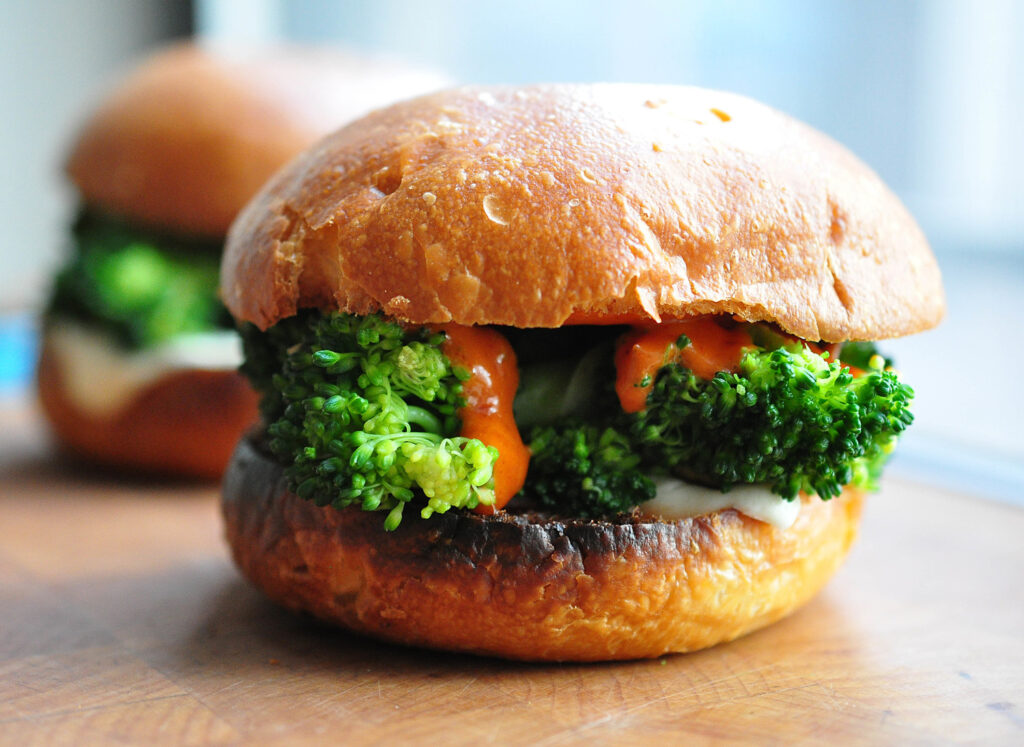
(191, 136)
(537, 206)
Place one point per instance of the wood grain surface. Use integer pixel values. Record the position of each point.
(122, 621)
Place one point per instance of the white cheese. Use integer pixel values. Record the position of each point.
(100, 378)
(676, 499)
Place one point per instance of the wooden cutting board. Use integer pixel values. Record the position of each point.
(122, 620)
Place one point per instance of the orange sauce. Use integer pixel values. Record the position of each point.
(644, 350)
(489, 393)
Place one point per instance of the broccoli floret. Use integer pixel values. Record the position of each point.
(140, 287)
(788, 418)
(586, 471)
(363, 412)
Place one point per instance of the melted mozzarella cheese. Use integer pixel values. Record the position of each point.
(676, 499)
(101, 378)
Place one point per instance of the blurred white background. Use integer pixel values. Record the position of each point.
(928, 92)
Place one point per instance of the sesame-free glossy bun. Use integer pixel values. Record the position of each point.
(186, 140)
(530, 586)
(184, 423)
(536, 206)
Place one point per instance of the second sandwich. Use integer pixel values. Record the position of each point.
(138, 363)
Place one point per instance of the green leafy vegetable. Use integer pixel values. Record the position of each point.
(565, 389)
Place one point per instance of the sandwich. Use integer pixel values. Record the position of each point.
(138, 365)
(566, 373)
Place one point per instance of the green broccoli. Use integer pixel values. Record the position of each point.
(140, 287)
(363, 412)
(586, 471)
(788, 418)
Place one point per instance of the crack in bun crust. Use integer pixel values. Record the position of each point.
(524, 206)
(527, 586)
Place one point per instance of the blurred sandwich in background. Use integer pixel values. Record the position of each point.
(138, 360)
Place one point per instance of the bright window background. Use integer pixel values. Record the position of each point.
(929, 92)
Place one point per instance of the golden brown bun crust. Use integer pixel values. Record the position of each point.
(187, 139)
(184, 424)
(524, 588)
(521, 206)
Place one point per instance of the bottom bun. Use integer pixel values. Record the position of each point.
(529, 586)
(184, 423)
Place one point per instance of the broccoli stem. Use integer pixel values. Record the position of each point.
(424, 419)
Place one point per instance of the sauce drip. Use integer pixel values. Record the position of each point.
(644, 350)
(489, 393)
